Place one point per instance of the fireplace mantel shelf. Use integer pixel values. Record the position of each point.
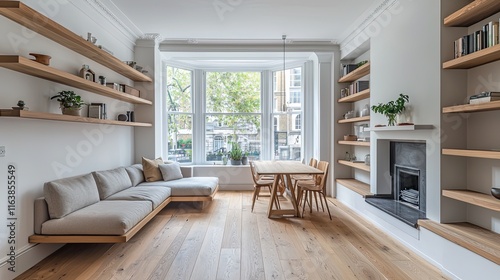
(401, 127)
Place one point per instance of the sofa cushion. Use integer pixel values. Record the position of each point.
(135, 173)
(111, 181)
(155, 196)
(67, 195)
(151, 171)
(170, 171)
(191, 186)
(102, 218)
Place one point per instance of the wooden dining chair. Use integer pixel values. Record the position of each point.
(296, 178)
(316, 186)
(261, 182)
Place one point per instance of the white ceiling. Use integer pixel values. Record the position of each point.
(330, 20)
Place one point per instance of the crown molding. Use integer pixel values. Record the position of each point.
(357, 41)
(113, 15)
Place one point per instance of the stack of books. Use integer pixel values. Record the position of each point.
(487, 37)
(485, 96)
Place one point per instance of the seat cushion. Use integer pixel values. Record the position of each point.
(66, 195)
(191, 186)
(135, 173)
(111, 181)
(102, 218)
(155, 196)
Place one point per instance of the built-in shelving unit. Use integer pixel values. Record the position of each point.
(361, 71)
(472, 153)
(66, 118)
(470, 108)
(357, 165)
(24, 15)
(355, 143)
(401, 127)
(30, 67)
(476, 198)
(353, 120)
(476, 239)
(365, 94)
(357, 186)
(482, 241)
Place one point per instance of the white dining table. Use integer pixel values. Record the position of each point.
(282, 170)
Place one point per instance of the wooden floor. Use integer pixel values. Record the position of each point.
(227, 241)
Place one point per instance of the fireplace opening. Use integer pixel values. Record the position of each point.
(407, 185)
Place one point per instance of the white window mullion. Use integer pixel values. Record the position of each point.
(199, 117)
(267, 116)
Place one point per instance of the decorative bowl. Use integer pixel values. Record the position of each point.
(495, 192)
(350, 137)
(41, 58)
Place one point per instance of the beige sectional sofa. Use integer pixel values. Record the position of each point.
(110, 206)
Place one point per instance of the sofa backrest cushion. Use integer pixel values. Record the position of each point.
(67, 195)
(135, 173)
(111, 181)
(170, 171)
(151, 171)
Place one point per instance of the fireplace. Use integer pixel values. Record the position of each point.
(404, 189)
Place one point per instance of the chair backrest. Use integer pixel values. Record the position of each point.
(321, 178)
(313, 162)
(255, 176)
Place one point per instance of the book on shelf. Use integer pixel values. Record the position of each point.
(487, 36)
(348, 68)
(98, 110)
(485, 94)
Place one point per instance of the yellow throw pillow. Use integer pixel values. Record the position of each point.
(150, 168)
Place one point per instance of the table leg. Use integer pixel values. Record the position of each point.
(292, 194)
(273, 195)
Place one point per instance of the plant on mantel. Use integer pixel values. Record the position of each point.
(392, 108)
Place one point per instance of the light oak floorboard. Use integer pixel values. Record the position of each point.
(225, 240)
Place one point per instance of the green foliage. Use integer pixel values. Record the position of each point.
(68, 99)
(392, 108)
(236, 153)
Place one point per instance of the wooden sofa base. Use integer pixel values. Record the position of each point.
(39, 238)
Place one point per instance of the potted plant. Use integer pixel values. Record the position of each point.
(236, 154)
(392, 108)
(244, 158)
(70, 103)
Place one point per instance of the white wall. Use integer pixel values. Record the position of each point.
(46, 150)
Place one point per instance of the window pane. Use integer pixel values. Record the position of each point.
(178, 90)
(180, 135)
(221, 130)
(287, 136)
(233, 92)
(287, 90)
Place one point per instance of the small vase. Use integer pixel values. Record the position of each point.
(244, 160)
(224, 160)
(391, 120)
(495, 192)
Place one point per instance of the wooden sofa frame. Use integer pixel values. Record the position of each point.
(40, 238)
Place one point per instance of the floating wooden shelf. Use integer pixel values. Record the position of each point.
(472, 153)
(356, 186)
(355, 143)
(353, 120)
(66, 118)
(476, 239)
(24, 15)
(472, 13)
(30, 67)
(365, 94)
(469, 108)
(357, 165)
(401, 127)
(475, 198)
(360, 72)
(474, 59)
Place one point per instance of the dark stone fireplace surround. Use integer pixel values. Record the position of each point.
(410, 154)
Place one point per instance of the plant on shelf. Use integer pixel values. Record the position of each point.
(70, 103)
(392, 108)
(244, 158)
(236, 154)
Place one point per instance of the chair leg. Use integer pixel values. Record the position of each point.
(322, 207)
(310, 202)
(254, 197)
(327, 208)
(316, 199)
(304, 205)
